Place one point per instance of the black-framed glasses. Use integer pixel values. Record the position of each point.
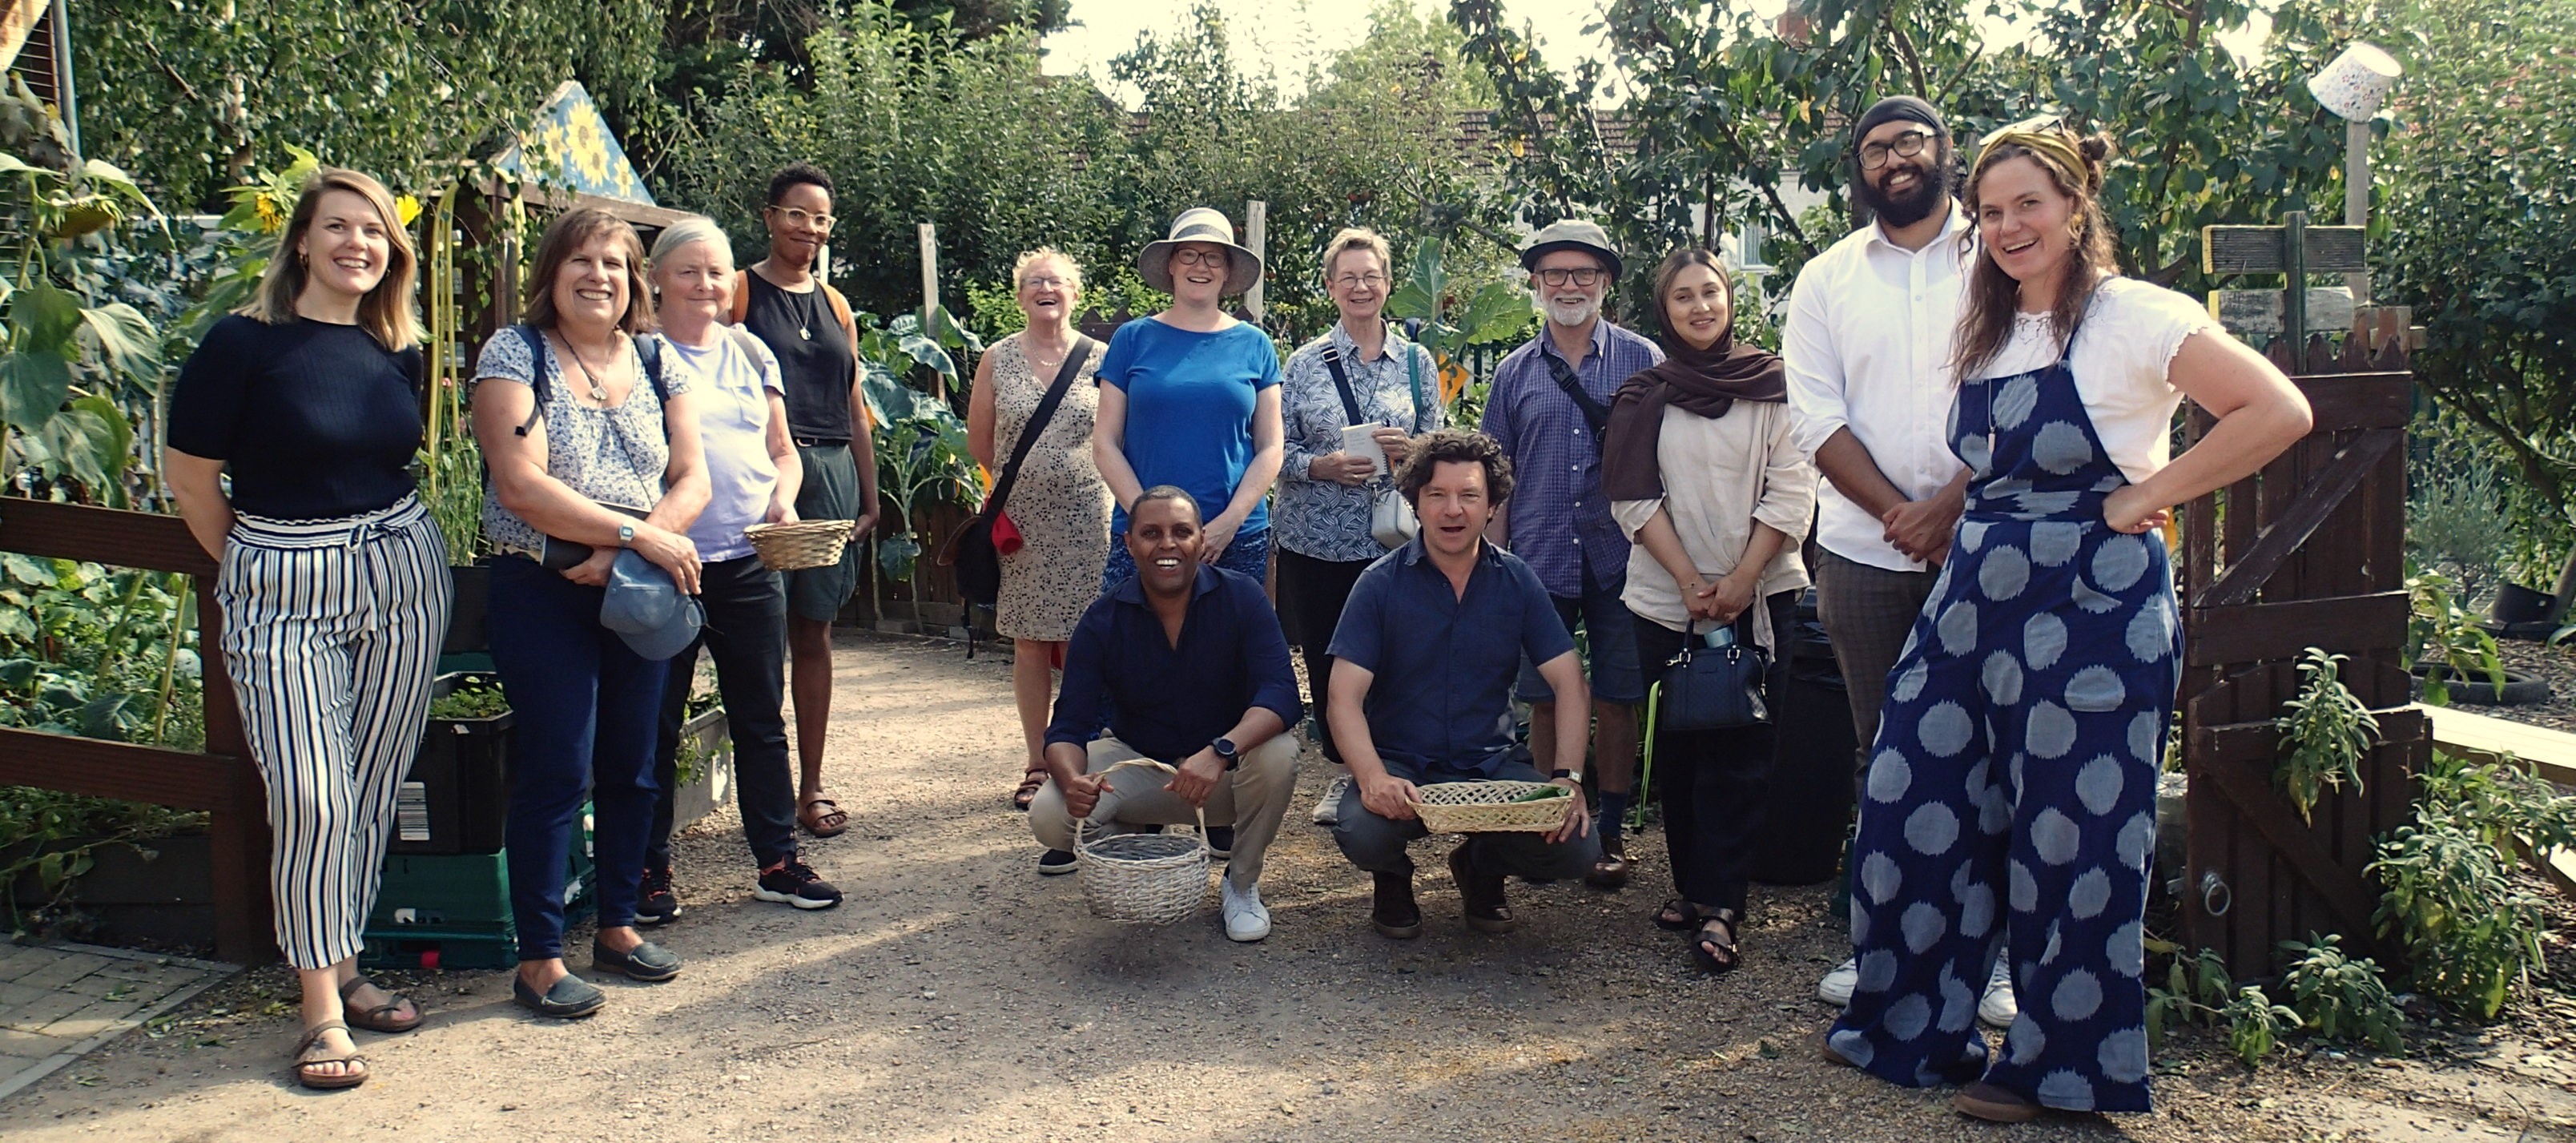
(1210, 258)
(1580, 276)
(1874, 155)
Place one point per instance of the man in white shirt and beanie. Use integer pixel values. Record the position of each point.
(1867, 344)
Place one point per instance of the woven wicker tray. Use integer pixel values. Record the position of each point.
(800, 545)
(1487, 807)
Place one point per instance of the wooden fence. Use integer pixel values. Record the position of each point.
(221, 782)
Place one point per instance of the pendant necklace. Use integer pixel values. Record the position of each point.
(598, 392)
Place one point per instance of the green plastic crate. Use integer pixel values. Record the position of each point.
(454, 911)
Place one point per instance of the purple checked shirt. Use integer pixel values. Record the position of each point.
(1559, 519)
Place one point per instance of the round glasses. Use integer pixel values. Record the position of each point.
(1874, 155)
(1355, 281)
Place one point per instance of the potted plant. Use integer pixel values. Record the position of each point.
(456, 797)
(705, 778)
(922, 459)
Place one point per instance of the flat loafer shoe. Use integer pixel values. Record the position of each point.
(569, 999)
(647, 962)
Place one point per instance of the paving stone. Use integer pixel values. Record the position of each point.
(17, 961)
(28, 1046)
(35, 1014)
(66, 968)
(91, 1019)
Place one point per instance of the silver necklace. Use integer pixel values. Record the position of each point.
(598, 392)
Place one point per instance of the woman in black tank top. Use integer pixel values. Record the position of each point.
(796, 315)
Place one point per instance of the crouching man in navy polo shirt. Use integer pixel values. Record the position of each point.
(1425, 658)
(1184, 664)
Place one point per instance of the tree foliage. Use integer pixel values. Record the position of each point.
(2478, 225)
(192, 95)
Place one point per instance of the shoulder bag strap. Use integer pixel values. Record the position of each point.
(648, 361)
(1593, 413)
(536, 343)
(1038, 418)
(1342, 382)
(1413, 352)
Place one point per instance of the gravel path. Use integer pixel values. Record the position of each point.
(959, 997)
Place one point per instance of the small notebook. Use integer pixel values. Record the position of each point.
(1361, 441)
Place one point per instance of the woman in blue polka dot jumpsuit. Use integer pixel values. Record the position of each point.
(2010, 803)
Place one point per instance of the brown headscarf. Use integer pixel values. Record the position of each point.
(1704, 381)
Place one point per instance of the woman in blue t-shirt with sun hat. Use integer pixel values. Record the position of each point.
(1190, 397)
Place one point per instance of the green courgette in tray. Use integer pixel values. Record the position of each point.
(1543, 793)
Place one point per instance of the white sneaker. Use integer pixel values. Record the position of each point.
(1836, 988)
(1998, 1006)
(1328, 809)
(1246, 918)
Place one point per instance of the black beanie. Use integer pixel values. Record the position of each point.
(1896, 107)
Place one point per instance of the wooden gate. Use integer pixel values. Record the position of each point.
(2310, 552)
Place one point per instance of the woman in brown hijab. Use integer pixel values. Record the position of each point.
(1705, 478)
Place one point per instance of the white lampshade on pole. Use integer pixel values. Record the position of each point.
(2353, 86)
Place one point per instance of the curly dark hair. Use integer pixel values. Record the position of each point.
(792, 175)
(1459, 445)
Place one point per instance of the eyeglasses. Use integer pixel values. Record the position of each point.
(1874, 155)
(1584, 276)
(1198, 257)
(798, 216)
(1355, 281)
(1047, 283)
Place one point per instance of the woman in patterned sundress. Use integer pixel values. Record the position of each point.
(1060, 505)
(2010, 804)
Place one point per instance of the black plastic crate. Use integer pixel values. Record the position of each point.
(456, 799)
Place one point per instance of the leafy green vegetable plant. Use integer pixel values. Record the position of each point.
(2440, 633)
(2200, 990)
(2469, 931)
(2340, 997)
(2328, 732)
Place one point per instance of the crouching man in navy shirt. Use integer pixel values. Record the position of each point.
(1425, 658)
(1184, 664)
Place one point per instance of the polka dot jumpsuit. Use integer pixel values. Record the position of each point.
(2010, 803)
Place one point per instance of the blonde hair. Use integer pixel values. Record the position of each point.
(1358, 238)
(386, 312)
(565, 238)
(693, 228)
(1020, 267)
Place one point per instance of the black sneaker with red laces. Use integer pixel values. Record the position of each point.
(792, 882)
(655, 903)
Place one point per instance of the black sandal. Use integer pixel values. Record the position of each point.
(1030, 783)
(1716, 957)
(1677, 916)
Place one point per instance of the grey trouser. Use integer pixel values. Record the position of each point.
(1377, 844)
(1252, 800)
(1867, 612)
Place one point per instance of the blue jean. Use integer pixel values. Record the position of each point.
(586, 706)
(1248, 554)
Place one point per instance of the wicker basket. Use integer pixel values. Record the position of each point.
(1143, 878)
(1487, 807)
(803, 544)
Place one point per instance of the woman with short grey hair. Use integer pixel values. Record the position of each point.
(1361, 373)
(754, 476)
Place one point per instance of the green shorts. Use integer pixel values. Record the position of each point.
(830, 492)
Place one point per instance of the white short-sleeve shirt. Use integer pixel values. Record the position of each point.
(2123, 348)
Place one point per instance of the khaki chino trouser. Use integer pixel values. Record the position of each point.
(1252, 799)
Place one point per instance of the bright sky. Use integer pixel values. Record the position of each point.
(1289, 35)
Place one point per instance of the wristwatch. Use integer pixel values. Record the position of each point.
(1224, 748)
(1575, 775)
(625, 535)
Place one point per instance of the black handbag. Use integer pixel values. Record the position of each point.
(970, 551)
(1713, 688)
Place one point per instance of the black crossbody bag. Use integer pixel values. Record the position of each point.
(1594, 413)
(970, 551)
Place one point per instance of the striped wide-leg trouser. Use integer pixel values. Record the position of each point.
(331, 633)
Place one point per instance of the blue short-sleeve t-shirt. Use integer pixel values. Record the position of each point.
(1190, 398)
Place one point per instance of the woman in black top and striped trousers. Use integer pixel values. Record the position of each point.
(333, 579)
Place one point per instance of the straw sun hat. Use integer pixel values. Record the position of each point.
(1200, 224)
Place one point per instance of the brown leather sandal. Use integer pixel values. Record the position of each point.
(385, 1017)
(1030, 784)
(832, 822)
(310, 1054)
